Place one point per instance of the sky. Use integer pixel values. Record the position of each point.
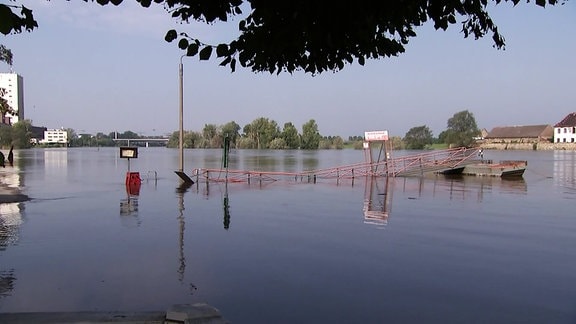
(105, 69)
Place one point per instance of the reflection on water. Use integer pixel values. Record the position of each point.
(11, 181)
(310, 160)
(316, 243)
(56, 161)
(565, 171)
(129, 212)
(377, 200)
(6, 282)
(461, 187)
(181, 229)
(226, 205)
(378, 192)
(11, 219)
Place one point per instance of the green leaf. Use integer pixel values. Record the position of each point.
(192, 49)
(6, 24)
(170, 35)
(361, 60)
(221, 50)
(145, 3)
(233, 65)
(226, 61)
(183, 43)
(205, 53)
(541, 3)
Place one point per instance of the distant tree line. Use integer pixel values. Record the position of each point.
(101, 139)
(264, 133)
(261, 133)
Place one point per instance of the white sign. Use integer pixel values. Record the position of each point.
(376, 136)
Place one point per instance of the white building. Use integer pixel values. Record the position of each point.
(565, 130)
(55, 136)
(13, 85)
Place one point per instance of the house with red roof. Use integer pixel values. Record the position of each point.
(565, 130)
(520, 134)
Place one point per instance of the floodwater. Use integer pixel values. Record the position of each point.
(406, 250)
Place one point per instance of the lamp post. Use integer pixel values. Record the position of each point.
(181, 121)
(186, 179)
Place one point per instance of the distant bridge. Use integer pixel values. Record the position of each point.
(146, 140)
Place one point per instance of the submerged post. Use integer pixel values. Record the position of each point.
(180, 171)
(181, 119)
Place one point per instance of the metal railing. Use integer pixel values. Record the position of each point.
(411, 165)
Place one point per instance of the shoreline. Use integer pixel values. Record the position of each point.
(11, 195)
(544, 146)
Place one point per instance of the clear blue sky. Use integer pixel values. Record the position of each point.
(104, 69)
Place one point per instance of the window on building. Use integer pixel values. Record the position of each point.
(564, 130)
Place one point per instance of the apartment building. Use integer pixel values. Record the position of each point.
(13, 84)
(55, 136)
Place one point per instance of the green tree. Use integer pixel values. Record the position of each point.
(232, 130)
(418, 137)
(314, 36)
(262, 131)
(128, 134)
(210, 136)
(4, 106)
(310, 135)
(21, 134)
(105, 140)
(5, 136)
(331, 142)
(6, 55)
(209, 131)
(290, 136)
(190, 140)
(71, 133)
(462, 129)
(278, 144)
(245, 142)
(396, 142)
(442, 136)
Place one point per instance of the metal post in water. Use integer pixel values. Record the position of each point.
(181, 119)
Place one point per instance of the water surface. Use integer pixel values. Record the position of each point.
(430, 249)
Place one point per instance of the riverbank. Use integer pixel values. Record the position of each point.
(182, 313)
(11, 195)
(529, 146)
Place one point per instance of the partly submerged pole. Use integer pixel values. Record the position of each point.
(180, 171)
(225, 155)
(181, 120)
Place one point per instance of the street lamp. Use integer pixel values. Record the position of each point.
(181, 129)
(180, 171)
